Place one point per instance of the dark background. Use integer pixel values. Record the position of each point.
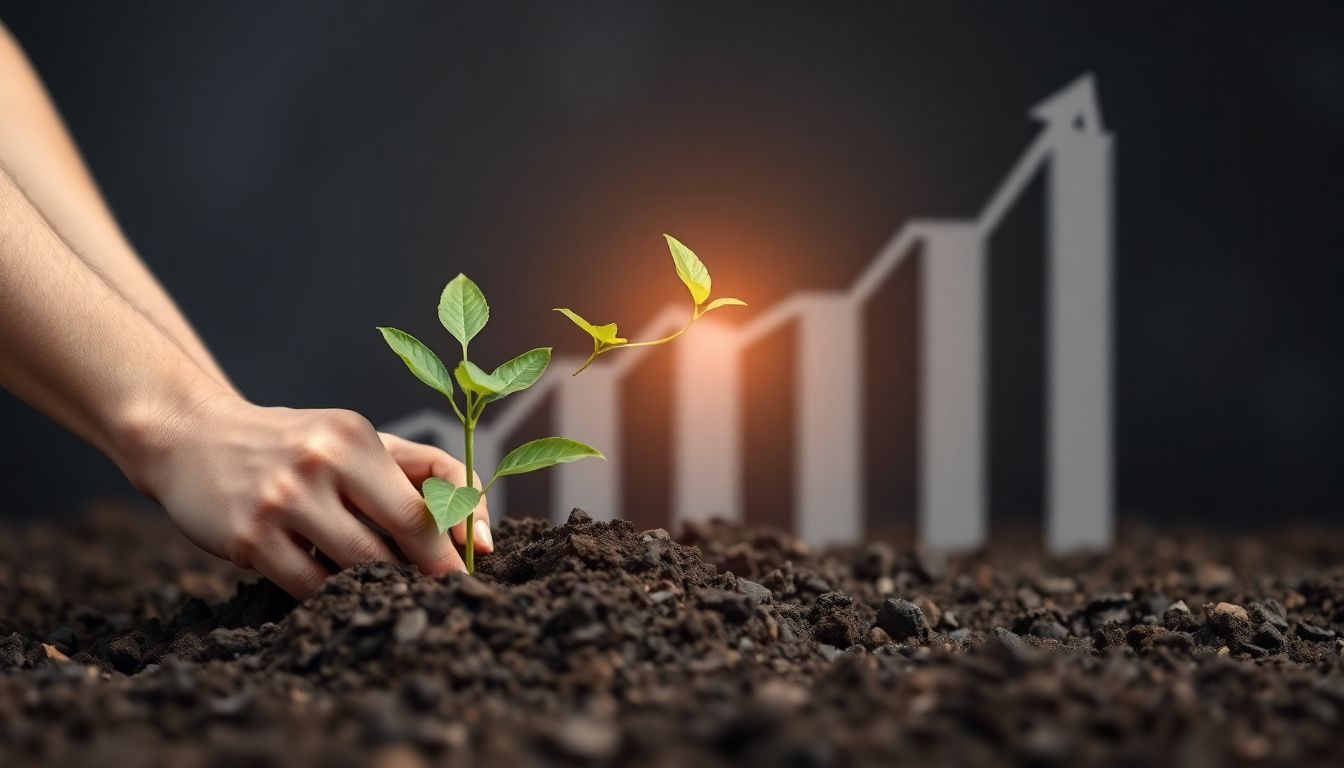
(297, 173)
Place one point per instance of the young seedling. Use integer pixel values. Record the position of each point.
(696, 277)
(463, 311)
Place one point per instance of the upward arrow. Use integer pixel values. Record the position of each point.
(1073, 108)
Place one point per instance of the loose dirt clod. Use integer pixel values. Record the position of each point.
(593, 643)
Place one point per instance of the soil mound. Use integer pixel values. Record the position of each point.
(592, 643)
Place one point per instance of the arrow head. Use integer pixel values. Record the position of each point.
(1074, 107)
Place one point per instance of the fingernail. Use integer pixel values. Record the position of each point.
(483, 535)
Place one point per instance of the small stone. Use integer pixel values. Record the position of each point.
(363, 619)
(1056, 585)
(781, 694)
(655, 533)
(1179, 607)
(1268, 636)
(885, 585)
(1268, 611)
(64, 639)
(933, 615)
(231, 707)
(876, 638)
(54, 653)
(829, 652)
(477, 590)
(1011, 642)
(902, 619)
(1314, 633)
(588, 633)
(410, 625)
(1255, 651)
(1223, 651)
(1226, 614)
(1050, 630)
(588, 739)
(756, 592)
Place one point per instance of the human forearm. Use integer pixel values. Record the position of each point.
(256, 485)
(75, 349)
(38, 151)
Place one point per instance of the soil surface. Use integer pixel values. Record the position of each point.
(596, 644)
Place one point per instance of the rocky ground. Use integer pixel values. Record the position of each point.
(596, 644)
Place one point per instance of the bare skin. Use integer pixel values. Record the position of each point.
(89, 337)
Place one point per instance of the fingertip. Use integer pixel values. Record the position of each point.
(485, 542)
(439, 558)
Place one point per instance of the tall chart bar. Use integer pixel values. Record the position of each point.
(828, 466)
(952, 474)
(1078, 440)
(707, 425)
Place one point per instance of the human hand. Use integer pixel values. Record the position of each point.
(420, 462)
(259, 486)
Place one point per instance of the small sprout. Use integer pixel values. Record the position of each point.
(464, 312)
(693, 273)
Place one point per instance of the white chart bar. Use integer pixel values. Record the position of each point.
(952, 386)
(588, 409)
(828, 467)
(707, 425)
(1079, 376)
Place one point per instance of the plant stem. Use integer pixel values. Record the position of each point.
(469, 430)
(599, 349)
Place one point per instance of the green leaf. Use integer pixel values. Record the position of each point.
(462, 309)
(715, 304)
(426, 365)
(449, 504)
(546, 452)
(602, 334)
(522, 371)
(690, 269)
(470, 377)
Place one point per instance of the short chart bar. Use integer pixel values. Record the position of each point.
(588, 409)
(828, 465)
(707, 425)
(952, 427)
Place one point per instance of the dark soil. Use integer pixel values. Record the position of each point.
(594, 643)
